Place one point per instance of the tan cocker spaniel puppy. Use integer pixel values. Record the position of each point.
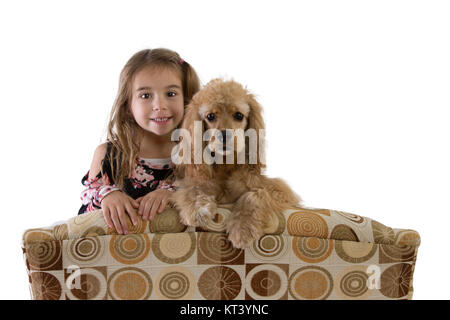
(219, 106)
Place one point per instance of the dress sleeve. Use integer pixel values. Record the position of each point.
(96, 189)
(167, 184)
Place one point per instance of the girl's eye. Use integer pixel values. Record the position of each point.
(211, 117)
(145, 95)
(238, 116)
(171, 94)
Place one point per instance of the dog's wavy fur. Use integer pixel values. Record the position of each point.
(200, 187)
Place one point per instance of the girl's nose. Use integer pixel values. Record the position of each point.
(159, 104)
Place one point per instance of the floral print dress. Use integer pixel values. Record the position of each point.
(148, 175)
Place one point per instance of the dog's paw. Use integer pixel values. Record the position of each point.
(187, 217)
(199, 216)
(242, 235)
(206, 212)
(238, 241)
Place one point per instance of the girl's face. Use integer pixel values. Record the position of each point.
(157, 100)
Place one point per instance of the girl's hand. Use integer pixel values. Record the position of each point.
(153, 202)
(115, 207)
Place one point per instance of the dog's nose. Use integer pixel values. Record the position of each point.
(226, 136)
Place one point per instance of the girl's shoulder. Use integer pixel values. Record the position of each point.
(99, 154)
(108, 146)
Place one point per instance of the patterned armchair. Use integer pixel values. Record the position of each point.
(307, 253)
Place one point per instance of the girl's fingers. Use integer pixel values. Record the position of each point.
(154, 208)
(141, 207)
(147, 207)
(142, 210)
(115, 220)
(163, 205)
(107, 218)
(123, 220)
(134, 204)
(132, 214)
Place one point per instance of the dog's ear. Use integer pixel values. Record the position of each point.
(200, 171)
(190, 116)
(255, 118)
(256, 122)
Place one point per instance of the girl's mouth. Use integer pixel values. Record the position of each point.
(161, 121)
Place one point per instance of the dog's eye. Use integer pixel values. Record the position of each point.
(211, 117)
(238, 116)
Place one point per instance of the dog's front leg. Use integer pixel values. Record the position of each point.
(246, 222)
(196, 204)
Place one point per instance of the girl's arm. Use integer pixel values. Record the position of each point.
(97, 187)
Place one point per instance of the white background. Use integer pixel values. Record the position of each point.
(355, 95)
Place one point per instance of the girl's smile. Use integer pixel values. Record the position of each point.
(161, 120)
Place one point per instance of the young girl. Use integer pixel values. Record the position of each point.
(131, 171)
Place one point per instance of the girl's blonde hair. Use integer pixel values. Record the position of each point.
(122, 128)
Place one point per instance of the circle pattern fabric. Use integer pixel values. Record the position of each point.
(310, 283)
(354, 218)
(343, 232)
(390, 253)
(269, 248)
(93, 231)
(275, 224)
(174, 248)
(86, 251)
(266, 281)
(312, 250)
(167, 221)
(355, 252)
(395, 280)
(90, 285)
(219, 283)
(129, 284)
(382, 234)
(35, 235)
(217, 223)
(352, 283)
(307, 224)
(45, 255)
(407, 238)
(61, 232)
(175, 283)
(129, 249)
(215, 248)
(45, 286)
